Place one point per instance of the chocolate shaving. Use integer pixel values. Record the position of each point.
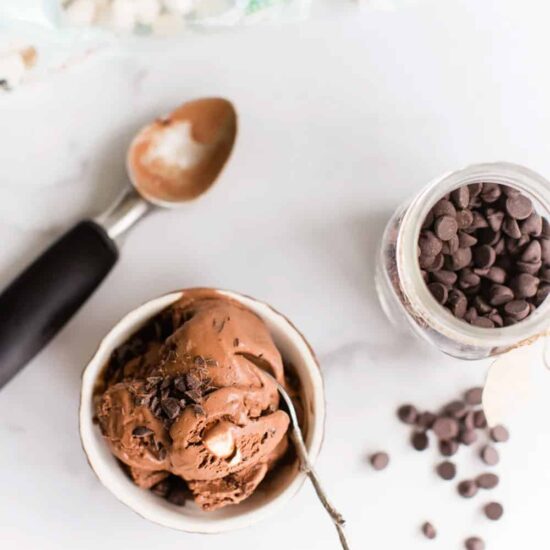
(179, 384)
(171, 407)
(194, 395)
(141, 431)
(192, 381)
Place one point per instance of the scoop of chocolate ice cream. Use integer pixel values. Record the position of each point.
(193, 401)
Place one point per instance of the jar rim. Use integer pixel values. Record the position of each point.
(413, 285)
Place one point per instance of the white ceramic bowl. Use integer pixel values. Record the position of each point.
(271, 495)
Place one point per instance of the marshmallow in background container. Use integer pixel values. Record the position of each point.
(41, 36)
(34, 41)
(156, 17)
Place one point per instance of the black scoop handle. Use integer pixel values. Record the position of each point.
(35, 306)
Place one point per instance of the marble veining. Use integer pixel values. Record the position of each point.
(340, 121)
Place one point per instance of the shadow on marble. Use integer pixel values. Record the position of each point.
(350, 244)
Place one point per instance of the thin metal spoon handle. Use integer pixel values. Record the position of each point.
(307, 467)
(336, 517)
(124, 213)
(310, 472)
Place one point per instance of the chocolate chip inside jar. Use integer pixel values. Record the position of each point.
(484, 253)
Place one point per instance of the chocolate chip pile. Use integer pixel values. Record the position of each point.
(485, 254)
(460, 422)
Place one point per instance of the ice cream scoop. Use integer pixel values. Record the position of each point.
(171, 161)
(283, 483)
(206, 408)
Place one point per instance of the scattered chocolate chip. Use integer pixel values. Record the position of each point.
(458, 422)
(448, 448)
(499, 434)
(380, 460)
(445, 428)
(473, 396)
(467, 437)
(487, 481)
(446, 470)
(141, 431)
(456, 409)
(474, 543)
(420, 441)
(425, 420)
(493, 511)
(479, 419)
(428, 530)
(489, 455)
(467, 488)
(407, 414)
(469, 420)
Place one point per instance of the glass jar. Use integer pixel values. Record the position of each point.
(405, 296)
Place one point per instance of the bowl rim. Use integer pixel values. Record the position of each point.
(153, 513)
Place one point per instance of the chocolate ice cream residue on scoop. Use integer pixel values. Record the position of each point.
(187, 397)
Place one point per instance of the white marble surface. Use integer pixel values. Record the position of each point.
(340, 121)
